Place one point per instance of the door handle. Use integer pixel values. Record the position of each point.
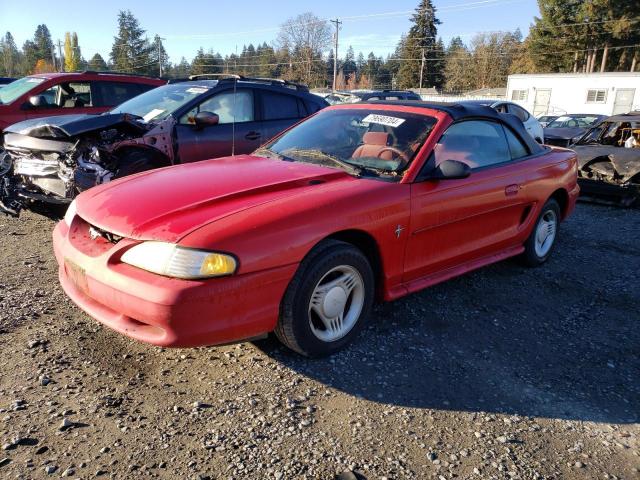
(511, 190)
(252, 135)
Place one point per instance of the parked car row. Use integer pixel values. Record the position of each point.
(52, 159)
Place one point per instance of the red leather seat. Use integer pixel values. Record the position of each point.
(374, 145)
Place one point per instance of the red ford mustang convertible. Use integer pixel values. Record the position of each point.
(361, 201)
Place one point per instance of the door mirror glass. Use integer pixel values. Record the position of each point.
(206, 119)
(450, 170)
(38, 101)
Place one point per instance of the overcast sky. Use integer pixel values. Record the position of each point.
(374, 25)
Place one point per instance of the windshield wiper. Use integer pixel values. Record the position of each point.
(321, 157)
(266, 152)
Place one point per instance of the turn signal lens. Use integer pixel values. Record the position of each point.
(217, 264)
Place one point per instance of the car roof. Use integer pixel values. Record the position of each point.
(103, 75)
(267, 84)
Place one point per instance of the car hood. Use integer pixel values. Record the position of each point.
(64, 126)
(563, 133)
(169, 203)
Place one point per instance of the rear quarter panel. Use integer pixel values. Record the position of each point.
(556, 170)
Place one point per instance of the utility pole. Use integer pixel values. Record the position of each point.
(337, 23)
(158, 46)
(59, 56)
(421, 69)
(53, 57)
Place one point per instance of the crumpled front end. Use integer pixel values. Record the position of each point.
(45, 163)
(53, 171)
(610, 173)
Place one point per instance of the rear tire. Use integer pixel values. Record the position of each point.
(328, 300)
(540, 244)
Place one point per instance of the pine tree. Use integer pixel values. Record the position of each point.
(10, 62)
(43, 43)
(208, 62)
(420, 41)
(584, 36)
(349, 67)
(131, 51)
(158, 55)
(97, 63)
(458, 73)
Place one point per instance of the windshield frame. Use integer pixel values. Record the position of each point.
(402, 175)
(35, 82)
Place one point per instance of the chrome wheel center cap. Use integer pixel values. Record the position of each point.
(334, 302)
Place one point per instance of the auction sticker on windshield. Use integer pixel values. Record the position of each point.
(197, 90)
(383, 120)
(152, 114)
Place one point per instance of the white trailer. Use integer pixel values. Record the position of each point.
(606, 93)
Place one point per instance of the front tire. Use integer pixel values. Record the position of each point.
(540, 244)
(136, 161)
(328, 300)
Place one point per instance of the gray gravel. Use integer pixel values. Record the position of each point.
(503, 373)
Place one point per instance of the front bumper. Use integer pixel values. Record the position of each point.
(621, 194)
(165, 311)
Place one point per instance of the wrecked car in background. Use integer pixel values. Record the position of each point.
(53, 159)
(609, 159)
(568, 129)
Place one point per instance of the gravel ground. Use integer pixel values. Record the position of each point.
(503, 373)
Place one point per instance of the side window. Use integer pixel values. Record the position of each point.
(517, 148)
(227, 105)
(75, 95)
(50, 95)
(521, 113)
(115, 93)
(277, 106)
(477, 143)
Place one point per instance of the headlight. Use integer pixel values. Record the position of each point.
(71, 212)
(172, 260)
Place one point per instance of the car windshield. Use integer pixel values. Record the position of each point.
(359, 141)
(582, 121)
(615, 134)
(159, 103)
(18, 88)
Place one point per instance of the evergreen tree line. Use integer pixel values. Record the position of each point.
(569, 36)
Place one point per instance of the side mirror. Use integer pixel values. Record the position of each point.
(38, 101)
(206, 119)
(451, 170)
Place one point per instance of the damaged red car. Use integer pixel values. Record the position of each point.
(357, 203)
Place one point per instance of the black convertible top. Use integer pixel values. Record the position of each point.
(459, 111)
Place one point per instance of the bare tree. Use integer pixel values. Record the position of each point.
(304, 38)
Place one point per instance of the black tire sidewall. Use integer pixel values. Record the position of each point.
(135, 162)
(312, 274)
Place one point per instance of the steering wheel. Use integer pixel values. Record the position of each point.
(398, 152)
